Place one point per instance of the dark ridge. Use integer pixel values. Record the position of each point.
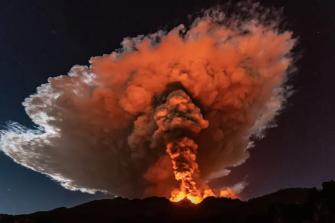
(297, 205)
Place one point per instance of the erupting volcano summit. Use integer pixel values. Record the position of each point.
(165, 115)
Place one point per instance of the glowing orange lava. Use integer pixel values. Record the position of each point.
(183, 156)
(178, 195)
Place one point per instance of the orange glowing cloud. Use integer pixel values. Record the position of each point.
(117, 125)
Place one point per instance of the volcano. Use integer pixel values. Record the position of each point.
(287, 205)
(167, 114)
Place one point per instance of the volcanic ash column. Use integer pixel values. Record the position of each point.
(169, 114)
(177, 119)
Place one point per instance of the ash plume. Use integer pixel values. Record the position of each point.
(116, 125)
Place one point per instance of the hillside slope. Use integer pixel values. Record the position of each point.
(289, 205)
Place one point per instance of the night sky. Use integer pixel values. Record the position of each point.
(39, 39)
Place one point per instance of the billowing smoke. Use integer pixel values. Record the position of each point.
(165, 102)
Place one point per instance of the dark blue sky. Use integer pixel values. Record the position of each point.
(39, 39)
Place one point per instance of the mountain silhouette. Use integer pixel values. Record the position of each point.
(297, 205)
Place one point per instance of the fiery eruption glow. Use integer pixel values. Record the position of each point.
(166, 115)
(185, 167)
(177, 115)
